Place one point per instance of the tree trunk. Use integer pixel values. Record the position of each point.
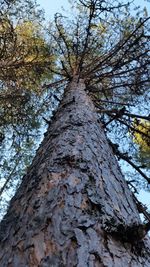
(73, 207)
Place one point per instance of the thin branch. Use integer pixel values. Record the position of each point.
(92, 10)
(116, 48)
(141, 208)
(62, 36)
(54, 84)
(126, 158)
(111, 111)
(9, 177)
(137, 116)
(132, 128)
(118, 114)
(115, 103)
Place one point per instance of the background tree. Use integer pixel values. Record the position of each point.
(25, 57)
(142, 138)
(107, 55)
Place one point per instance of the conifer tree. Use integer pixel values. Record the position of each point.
(74, 207)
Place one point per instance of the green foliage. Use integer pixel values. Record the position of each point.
(25, 56)
(141, 137)
(25, 60)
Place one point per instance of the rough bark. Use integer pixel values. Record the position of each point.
(73, 207)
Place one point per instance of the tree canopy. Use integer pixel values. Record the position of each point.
(105, 43)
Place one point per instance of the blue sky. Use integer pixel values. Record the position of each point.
(53, 6)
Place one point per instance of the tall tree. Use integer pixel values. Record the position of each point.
(74, 207)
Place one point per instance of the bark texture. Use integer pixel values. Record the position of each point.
(73, 207)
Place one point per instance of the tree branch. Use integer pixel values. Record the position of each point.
(126, 158)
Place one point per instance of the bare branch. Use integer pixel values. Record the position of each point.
(126, 158)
